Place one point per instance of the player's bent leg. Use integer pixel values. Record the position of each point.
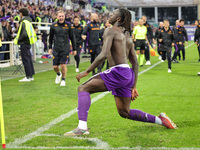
(93, 85)
(123, 107)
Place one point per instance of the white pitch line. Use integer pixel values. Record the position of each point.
(40, 130)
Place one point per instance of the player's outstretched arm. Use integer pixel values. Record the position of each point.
(108, 38)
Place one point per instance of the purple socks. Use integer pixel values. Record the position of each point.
(139, 115)
(84, 103)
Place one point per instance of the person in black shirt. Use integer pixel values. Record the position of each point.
(78, 29)
(180, 35)
(197, 36)
(60, 33)
(156, 37)
(150, 39)
(93, 30)
(166, 39)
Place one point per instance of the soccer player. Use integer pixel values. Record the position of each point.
(121, 79)
(150, 39)
(60, 33)
(197, 36)
(156, 37)
(78, 29)
(140, 39)
(166, 39)
(180, 35)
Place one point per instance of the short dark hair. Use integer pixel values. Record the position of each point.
(182, 20)
(24, 11)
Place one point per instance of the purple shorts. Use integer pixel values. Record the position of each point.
(119, 79)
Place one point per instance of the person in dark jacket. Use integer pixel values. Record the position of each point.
(197, 36)
(180, 35)
(60, 33)
(25, 47)
(93, 30)
(78, 30)
(175, 45)
(156, 37)
(150, 39)
(166, 39)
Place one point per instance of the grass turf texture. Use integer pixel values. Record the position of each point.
(28, 106)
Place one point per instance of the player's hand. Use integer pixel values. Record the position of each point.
(134, 94)
(180, 43)
(81, 75)
(74, 53)
(134, 40)
(160, 40)
(50, 51)
(195, 42)
(172, 44)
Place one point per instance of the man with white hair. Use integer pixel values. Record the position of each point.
(93, 30)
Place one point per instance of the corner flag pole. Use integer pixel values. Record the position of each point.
(2, 120)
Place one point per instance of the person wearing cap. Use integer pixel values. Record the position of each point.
(25, 37)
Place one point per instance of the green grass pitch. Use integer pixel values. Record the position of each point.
(30, 106)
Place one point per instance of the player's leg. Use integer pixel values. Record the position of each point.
(169, 60)
(183, 51)
(147, 53)
(92, 54)
(177, 51)
(56, 60)
(198, 47)
(163, 56)
(93, 85)
(159, 52)
(77, 57)
(123, 107)
(98, 51)
(142, 57)
(63, 59)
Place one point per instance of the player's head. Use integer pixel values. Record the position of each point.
(23, 12)
(140, 22)
(122, 17)
(161, 25)
(61, 16)
(182, 22)
(144, 18)
(94, 17)
(166, 23)
(76, 21)
(177, 22)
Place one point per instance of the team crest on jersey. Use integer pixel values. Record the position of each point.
(56, 25)
(65, 25)
(91, 25)
(162, 31)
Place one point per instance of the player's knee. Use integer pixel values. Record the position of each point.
(81, 88)
(55, 67)
(123, 113)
